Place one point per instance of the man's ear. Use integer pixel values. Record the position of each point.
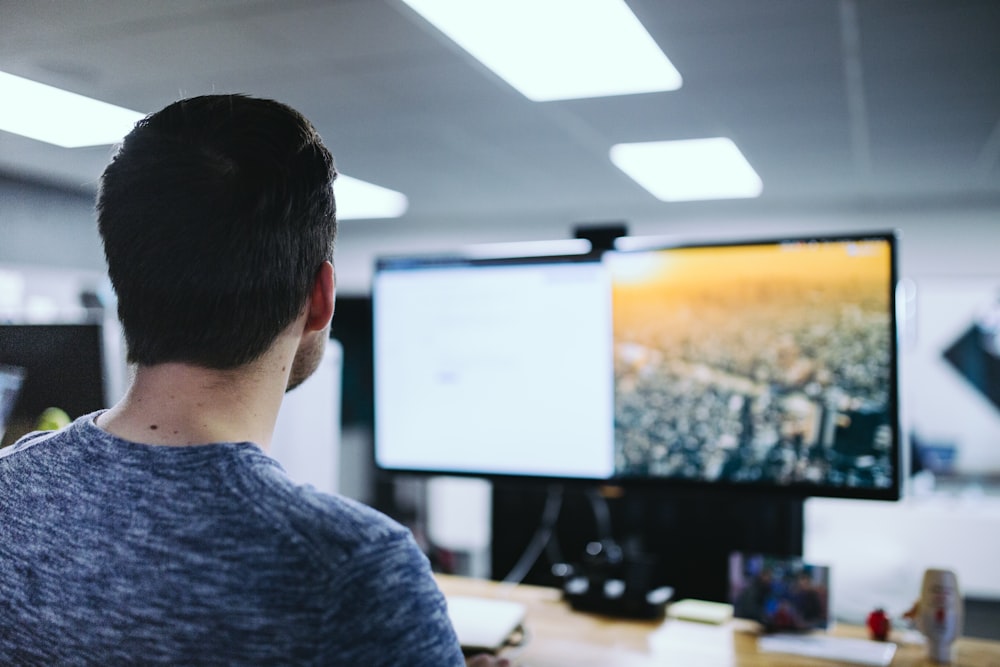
(321, 299)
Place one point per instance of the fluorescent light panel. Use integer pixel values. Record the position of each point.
(45, 113)
(544, 248)
(689, 170)
(357, 199)
(55, 116)
(556, 49)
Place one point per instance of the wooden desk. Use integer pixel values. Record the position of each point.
(557, 636)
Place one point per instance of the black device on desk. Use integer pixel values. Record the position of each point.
(726, 380)
(607, 581)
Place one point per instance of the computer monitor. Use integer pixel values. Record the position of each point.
(11, 380)
(63, 366)
(765, 364)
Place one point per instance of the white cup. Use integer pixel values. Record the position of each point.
(939, 614)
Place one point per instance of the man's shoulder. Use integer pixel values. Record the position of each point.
(351, 522)
(334, 527)
(31, 439)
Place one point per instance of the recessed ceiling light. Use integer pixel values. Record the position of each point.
(556, 49)
(689, 170)
(45, 113)
(357, 199)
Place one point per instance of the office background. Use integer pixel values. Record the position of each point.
(856, 115)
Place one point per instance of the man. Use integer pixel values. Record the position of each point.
(159, 532)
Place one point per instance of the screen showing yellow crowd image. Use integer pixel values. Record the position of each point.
(767, 363)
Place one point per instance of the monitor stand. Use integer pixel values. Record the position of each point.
(677, 538)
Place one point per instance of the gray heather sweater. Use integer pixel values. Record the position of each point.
(117, 553)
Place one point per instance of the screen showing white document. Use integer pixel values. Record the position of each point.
(494, 369)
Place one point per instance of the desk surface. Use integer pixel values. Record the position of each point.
(559, 636)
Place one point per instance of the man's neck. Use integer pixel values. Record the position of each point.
(180, 404)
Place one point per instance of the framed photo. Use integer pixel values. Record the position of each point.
(782, 594)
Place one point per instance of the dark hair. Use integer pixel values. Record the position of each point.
(216, 214)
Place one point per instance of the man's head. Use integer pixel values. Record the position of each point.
(216, 215)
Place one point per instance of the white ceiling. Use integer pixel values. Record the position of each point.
(836, 104)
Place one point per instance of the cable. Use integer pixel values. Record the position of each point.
(602, 515)
(542, 536)
(605, 549)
